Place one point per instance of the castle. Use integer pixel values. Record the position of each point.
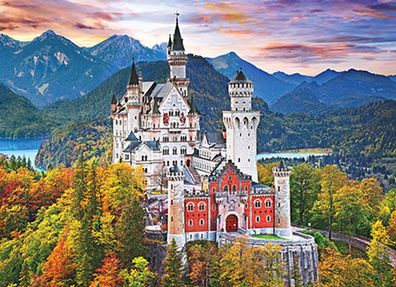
(211, 177)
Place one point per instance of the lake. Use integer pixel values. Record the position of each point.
(20, 147)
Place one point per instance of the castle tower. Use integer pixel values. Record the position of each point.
(282, 200)
(177, 60)
(133, 99)
(241, 126)
(176, 228)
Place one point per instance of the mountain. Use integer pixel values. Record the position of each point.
(294, 79)
(118, 51)
(51, 68)
(354, 88)
(303, 99)
(19, 118)
(325, 76)
(266, 86)
(347, 89)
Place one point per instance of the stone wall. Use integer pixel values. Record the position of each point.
(299, 255)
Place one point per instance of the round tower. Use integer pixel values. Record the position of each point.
(241, 126)
(282, 200)
(177, 60)
(176, 228)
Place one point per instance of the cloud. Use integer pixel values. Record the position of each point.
(311, 53)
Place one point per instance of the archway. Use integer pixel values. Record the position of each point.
(188, 163)
(232, 223)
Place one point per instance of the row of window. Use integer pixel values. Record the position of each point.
(183, 138)
(183, 150)
(267, 202)
(202, 221)
(201, 206)
(267, 218)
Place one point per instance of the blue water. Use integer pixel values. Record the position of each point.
(290, 155)
(22, 148)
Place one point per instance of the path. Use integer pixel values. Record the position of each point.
(358, 242)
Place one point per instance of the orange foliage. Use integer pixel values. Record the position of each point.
(59, 267)
(108, 274)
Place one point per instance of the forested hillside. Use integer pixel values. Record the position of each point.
(19, 118)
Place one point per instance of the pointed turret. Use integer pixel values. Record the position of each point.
(113, 104)
(177, 44)
(192, 106)
(170, 42)
(134, 79)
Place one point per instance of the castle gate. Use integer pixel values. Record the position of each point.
(232, 223)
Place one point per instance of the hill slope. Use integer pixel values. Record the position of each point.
(303, 99)
(19, 118)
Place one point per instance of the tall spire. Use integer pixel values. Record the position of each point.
(170, 42)
(177, 44)
(134, 79)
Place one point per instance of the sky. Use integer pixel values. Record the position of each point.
(292, 36)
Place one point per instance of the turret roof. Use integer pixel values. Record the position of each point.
(113, 100)
(177, 44)
(134, 79)
(240, 77)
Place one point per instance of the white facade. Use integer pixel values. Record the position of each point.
(241, 126)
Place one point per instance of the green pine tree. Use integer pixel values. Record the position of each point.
(130, 233)
(172, 267)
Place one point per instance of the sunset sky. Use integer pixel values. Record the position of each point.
(292, 36)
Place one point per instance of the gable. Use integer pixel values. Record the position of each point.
(173, 100)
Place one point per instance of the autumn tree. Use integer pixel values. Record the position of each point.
(332, 179)
(379, 256)
(338, 271)
(304, 190)
(173, 269)
(108, 275)
(373, 195)
(244, 265)
(203, 264)
(139, 275)
(351, 212)
(59, 269)
(264, 172)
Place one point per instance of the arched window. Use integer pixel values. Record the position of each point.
(201, 222)
(257, 218)
(190, 222)
(225, 188)
(183, 150)
(268, 202)
(174, 151)
(170, 113)
(257, 203)
(165, 151)
(201, 206)
(165, 138)
(214, 189)
(183, 138)
(234, 188)
(190, 206)
(268, 218)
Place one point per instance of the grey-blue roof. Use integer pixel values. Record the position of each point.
(132, 137)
